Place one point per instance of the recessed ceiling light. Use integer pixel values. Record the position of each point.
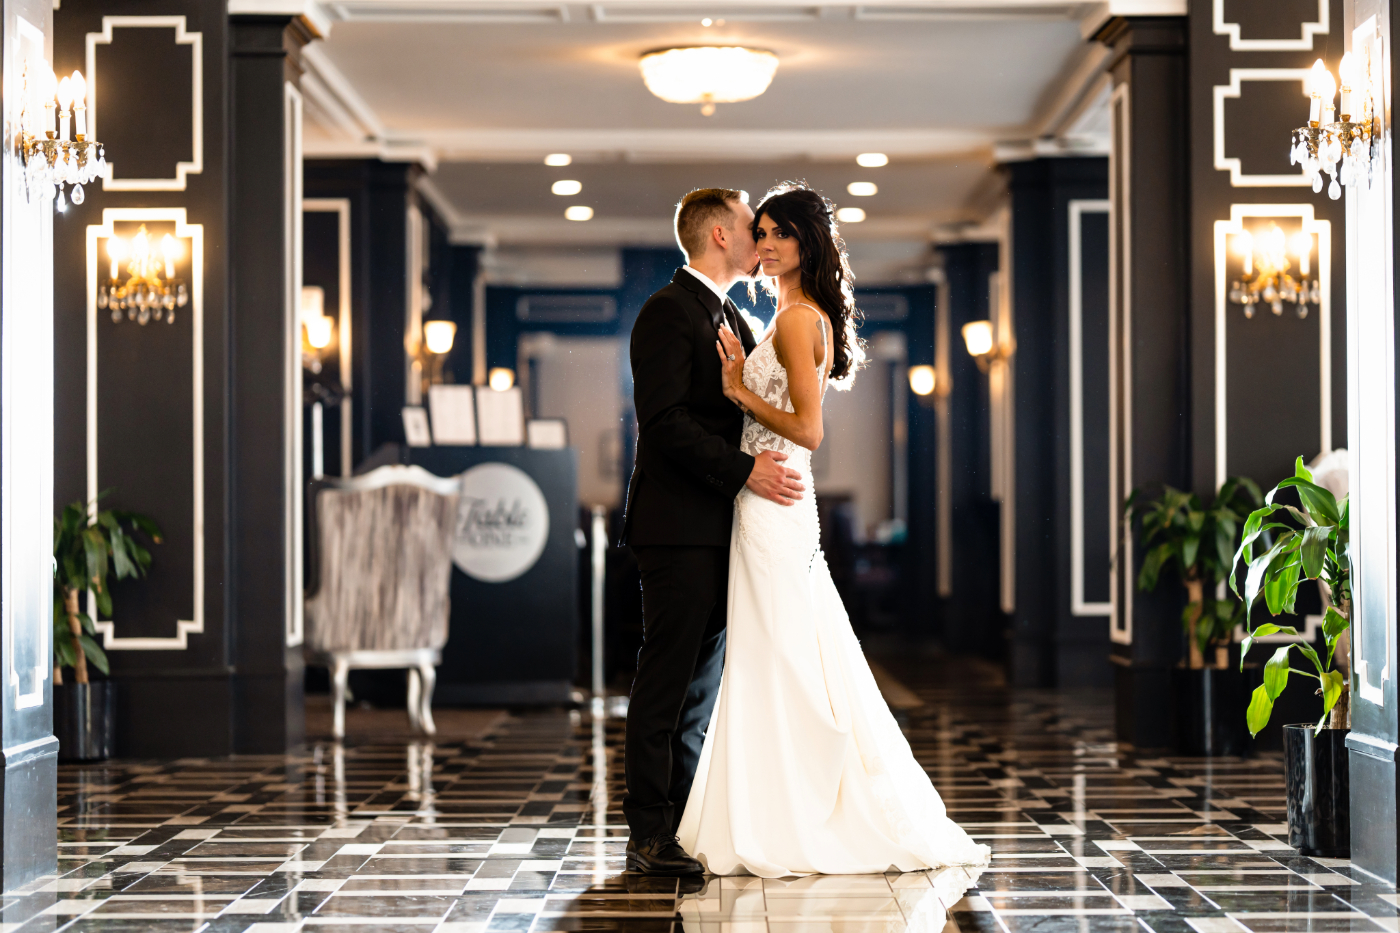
(578, 212)
(861, 189)
(558, 158)
(872, 159)
(850, 215)
(706, 21)
(566, 186)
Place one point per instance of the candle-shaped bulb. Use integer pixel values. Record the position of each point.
(48, 87)
(141, 250)
(80, 103)
(1317, 84)
(1302, 248)
(1276, 243)
(65, 93)
(48, 83)
(170, 248)
(1244, 246)
(116, 250)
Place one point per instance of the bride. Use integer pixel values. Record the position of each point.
(804, 769)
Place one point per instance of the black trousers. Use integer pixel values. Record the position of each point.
(685, 594)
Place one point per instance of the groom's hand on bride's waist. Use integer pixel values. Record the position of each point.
(773, 481)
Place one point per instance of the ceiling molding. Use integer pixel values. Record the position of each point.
(348, 100)
(670, 11)
(312, 12)
(313, 148)
(517, 230)
(690, 145)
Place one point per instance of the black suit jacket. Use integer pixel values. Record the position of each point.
(689, 467)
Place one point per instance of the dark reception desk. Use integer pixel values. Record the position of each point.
(513, 634)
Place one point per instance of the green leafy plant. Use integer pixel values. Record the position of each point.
(1196, 542)
(1279, 557)
(87, 546)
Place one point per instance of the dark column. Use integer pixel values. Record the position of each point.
(463, 267)
(1149, 321)
(174, 678)
(264, 383)
(1059, 229)
(380, 194)
(28, 790)
(973, 620)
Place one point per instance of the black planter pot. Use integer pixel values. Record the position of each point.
(1209, 710)
(1319, 791)
(83, 720)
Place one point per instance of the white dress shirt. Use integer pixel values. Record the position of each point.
(709, 283)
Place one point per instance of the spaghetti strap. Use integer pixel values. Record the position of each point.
(825, 348)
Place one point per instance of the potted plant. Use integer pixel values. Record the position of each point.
(1280, 555)
(88, 546)
(1196, 542)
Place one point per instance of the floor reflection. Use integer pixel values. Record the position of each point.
(520, 831)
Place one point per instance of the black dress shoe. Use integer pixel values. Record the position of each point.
(660, 855)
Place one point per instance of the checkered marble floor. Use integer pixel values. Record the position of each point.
(521, 832)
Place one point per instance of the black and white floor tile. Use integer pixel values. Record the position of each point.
(521, 833)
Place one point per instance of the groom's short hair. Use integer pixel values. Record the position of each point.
(697, 214)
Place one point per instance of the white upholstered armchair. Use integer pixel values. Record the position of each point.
(383, 555)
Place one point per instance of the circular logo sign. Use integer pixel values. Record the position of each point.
(502, 523)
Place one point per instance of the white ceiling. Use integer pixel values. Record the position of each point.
(479, 92)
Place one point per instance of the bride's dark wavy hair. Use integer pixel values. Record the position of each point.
(808, 217)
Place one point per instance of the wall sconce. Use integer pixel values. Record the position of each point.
(145, 295)
(1270, 282)
(53, 160)
(923, 380)
(438, 336)
(1326, 141)
(501, 379)
(318, 328)
(982, 345)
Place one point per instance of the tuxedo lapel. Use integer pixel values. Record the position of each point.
(715, 309)
(708, 300)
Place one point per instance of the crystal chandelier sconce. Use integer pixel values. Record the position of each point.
(51, 159)
(1267, 277)
(1341, 148)
(146, 295)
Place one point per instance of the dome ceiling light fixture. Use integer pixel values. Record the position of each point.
(708, 74)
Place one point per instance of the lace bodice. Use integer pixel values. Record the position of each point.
(765, 376)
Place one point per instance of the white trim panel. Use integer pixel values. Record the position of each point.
(1323, 230)
(341, 207)
(1226, 164)
(195, 233)
(1237, 44)
(1077, 210)
(193, 39)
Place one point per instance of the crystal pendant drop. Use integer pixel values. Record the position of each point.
(1317, 183)
(60, 203)
(116, 315)
(78, 195)
(1334, 190)
(170, 317)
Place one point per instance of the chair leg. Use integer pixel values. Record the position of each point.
(340, 675)
(415, 690)
(429, 682)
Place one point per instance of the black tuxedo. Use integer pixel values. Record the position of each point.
(680, 508)
(689, 467)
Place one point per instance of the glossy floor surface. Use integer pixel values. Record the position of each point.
(521, 831)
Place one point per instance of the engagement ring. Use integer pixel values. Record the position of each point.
(730, 357)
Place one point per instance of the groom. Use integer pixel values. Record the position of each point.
(680, 506)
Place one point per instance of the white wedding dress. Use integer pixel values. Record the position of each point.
(804, 770)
